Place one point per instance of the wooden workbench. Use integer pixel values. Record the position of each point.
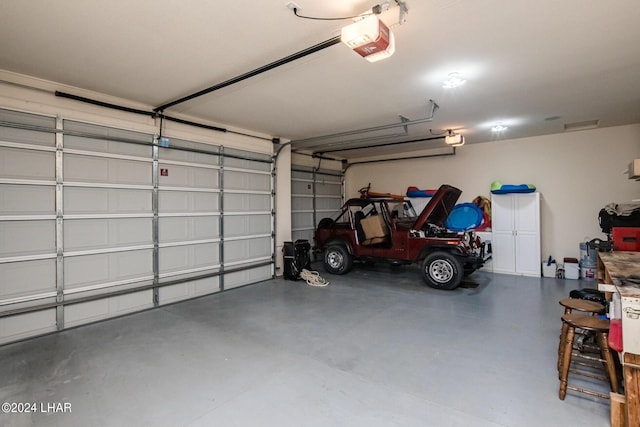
(613, 269)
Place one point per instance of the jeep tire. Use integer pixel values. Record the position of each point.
(442, 270)
(337, 259)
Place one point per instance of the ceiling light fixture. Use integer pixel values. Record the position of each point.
(454, 139)
(499, 128)
(370, 38)
(453, 80)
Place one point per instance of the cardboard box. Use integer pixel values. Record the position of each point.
(374, 227)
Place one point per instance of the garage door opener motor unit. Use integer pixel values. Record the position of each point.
(296, 258)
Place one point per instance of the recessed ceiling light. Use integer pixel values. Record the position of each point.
(499, 128)
(453, 80)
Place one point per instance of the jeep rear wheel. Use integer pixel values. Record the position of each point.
(337, 260)
(442, 270)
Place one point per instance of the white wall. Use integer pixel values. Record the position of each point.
(576, 173)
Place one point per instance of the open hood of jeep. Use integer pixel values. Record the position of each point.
(439, 207)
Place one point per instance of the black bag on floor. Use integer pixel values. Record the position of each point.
(296, 257)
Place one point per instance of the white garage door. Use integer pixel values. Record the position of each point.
(97, 222)
(27, 224)
(107, 220)
(215, 222)
(315, 194)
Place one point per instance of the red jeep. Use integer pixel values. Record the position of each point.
(386, 228)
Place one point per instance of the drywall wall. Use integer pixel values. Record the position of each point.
(577, 173)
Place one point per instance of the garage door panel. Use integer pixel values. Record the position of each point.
(92, 311)
(78, 200)
(206, 254)
(106, 170)
(246, 277)
(302, 220)
(106, 146)
(26, 325)
(107, 233)
(174, 293)
(192, 289)
(247, 202)
(178, 229)
(27, 200)
(27, 278)
(188, 156)
(332, 204)
(177, 258)
(184, 201)
(242, 225)
(247, 164)
(86, 169)
(94, 269)
(27, 164)
(44, 139)
(27, 237)
(242, 250)
(23, 135)
(236, 180)
(327, 188)
(206, 286)
(107, 139)
(302, 188)
(301, 203)
(189, 176)
(182, 258)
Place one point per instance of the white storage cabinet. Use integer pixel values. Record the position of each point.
(516, 233)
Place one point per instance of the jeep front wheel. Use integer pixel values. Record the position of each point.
(442, 270)
(337, 260)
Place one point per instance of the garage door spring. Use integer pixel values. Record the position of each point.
(313, 278)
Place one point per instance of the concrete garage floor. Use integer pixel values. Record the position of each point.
(374, 348)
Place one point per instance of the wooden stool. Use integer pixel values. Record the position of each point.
(601, 328)
(582, 305)
(571, 304)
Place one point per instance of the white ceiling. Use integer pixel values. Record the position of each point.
(524, 61)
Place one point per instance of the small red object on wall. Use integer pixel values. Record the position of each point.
(164, 172)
